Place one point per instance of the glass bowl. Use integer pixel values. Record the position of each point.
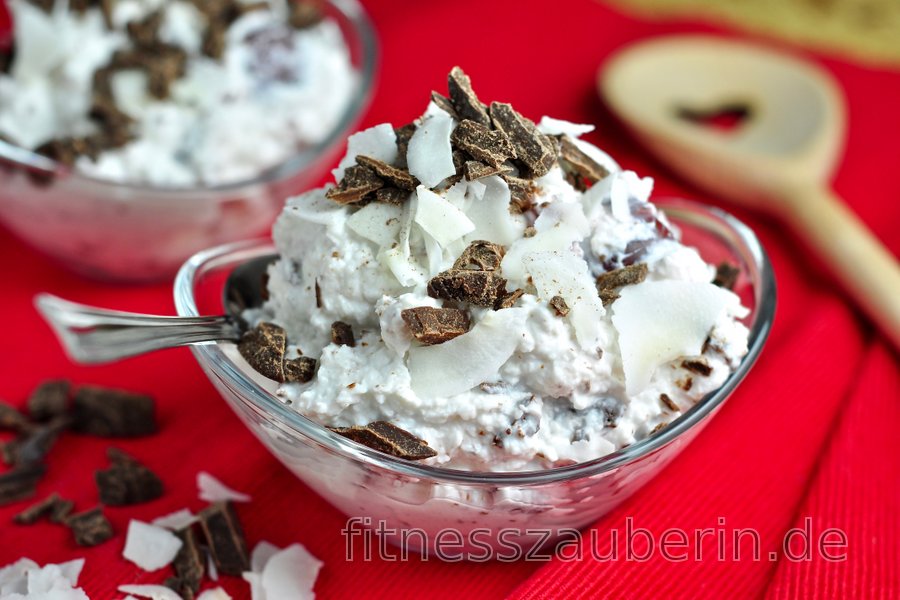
(132, 233)
(489, 509)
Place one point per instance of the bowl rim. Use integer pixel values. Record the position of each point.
(349, 11)
(212, 354)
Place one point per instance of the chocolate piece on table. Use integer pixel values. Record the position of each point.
(90, 527)
(34, 446)
(225, 538)
(463, 98)
(481, 288)
(127, 481)
(50, 507)
(12, 418)
(398, 177)
(21, 482)
(430, 325)
(482, 143)
(107, 412)
(558, 303)
(537, 152)
(726, 275)
(189, 565)
(578, 164)
(480, 255)
(342, 334)
(263, 347)
(357, 183)
(388, 438)
(49, 400)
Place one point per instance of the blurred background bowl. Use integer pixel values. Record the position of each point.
(139, 233)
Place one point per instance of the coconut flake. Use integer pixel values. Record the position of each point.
(398, 258)
(377, 222)
(261, 554)
(659, 321)
(176, 520)
(551, 126)
(214, 594)
(211, 569)
(490, 213)
(379, 142)
(598, 156)
(429, 154)
(213, 490)
(291, 573)
(150, 547)
(558, 227)
(462, 363)
(154, 592)
(564, 274)
(439, 218)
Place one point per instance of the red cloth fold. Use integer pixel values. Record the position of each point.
(809, 435)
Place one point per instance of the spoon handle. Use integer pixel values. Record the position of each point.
(94, 335)
(865, 267)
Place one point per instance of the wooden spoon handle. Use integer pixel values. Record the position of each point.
(868, 271)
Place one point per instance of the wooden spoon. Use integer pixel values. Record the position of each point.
(779, 159)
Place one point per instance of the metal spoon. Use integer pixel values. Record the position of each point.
(780, 160)
(93, 335)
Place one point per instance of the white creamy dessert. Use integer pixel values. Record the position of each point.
(190, 92)
(617, 328)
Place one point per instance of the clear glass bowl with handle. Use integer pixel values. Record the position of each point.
(133, 233)
(491, 510)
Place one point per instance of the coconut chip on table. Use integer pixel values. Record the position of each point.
(211, 489)
(57, 581)
(150, 547)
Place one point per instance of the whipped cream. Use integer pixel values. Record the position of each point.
(527, 387)
(275, 90)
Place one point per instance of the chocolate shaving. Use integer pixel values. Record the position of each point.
(522, 193)
(12, 418)
(726, 275)
(480, 255)
(49, 400)
(700, 366)
(67, 150)
(127, 481)
(481, 288)
(463, 98)
(399, 177)
(581, 167)
(508, 300)
(357, 183)
(53, 507)
(608, 283)
(263, 347)
(33, 447)
(473, 170)
(444, 104)
(686, 384)
(491, 147)
(534, 150)
(107, 412)
(189, 565)
(342, 334)
(225, 537)
(90, 527)
(388, 438)
(558, 303)
(300, 370)
(404, 134)
(658, 427)
(430, 325)
(20, 483)
(668, 402)
(391, 195)
(318, 295)
(304, 13)
(143, 33)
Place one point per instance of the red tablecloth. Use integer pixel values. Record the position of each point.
(809, 438)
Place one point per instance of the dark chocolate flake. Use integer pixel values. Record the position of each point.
(127, 481)
(107, 412)
(391, 195)
(90, 527)
(225, 538)
(398, 177)
(300, 370)
(49, 400)
(699, 365)
(430, 325)
(534, 150)
(481, 288)
(189, 565)
(20, 483)
(726, 275)
(668, 402)
(357, 183)
(388, 438)
(480, 255)
(579, 165)
(12, 418)
(480, 142)
(33, 447)
(404, 134)
(473, 169)
(342, 334)
(522, 193)
(608, 283)
(444, 104)
(463, 98)
(263, 347)
(508, 300)
(49, 507)
(558, 303)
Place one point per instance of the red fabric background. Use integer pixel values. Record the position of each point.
(811, 433)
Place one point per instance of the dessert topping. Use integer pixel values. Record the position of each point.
(342, 334)
(558, 303)
(534, 150)
(490, 146)
(225, 537)
(463, 98)
(608, 283)
(430, 325)
(388, 438)
(581, 169)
